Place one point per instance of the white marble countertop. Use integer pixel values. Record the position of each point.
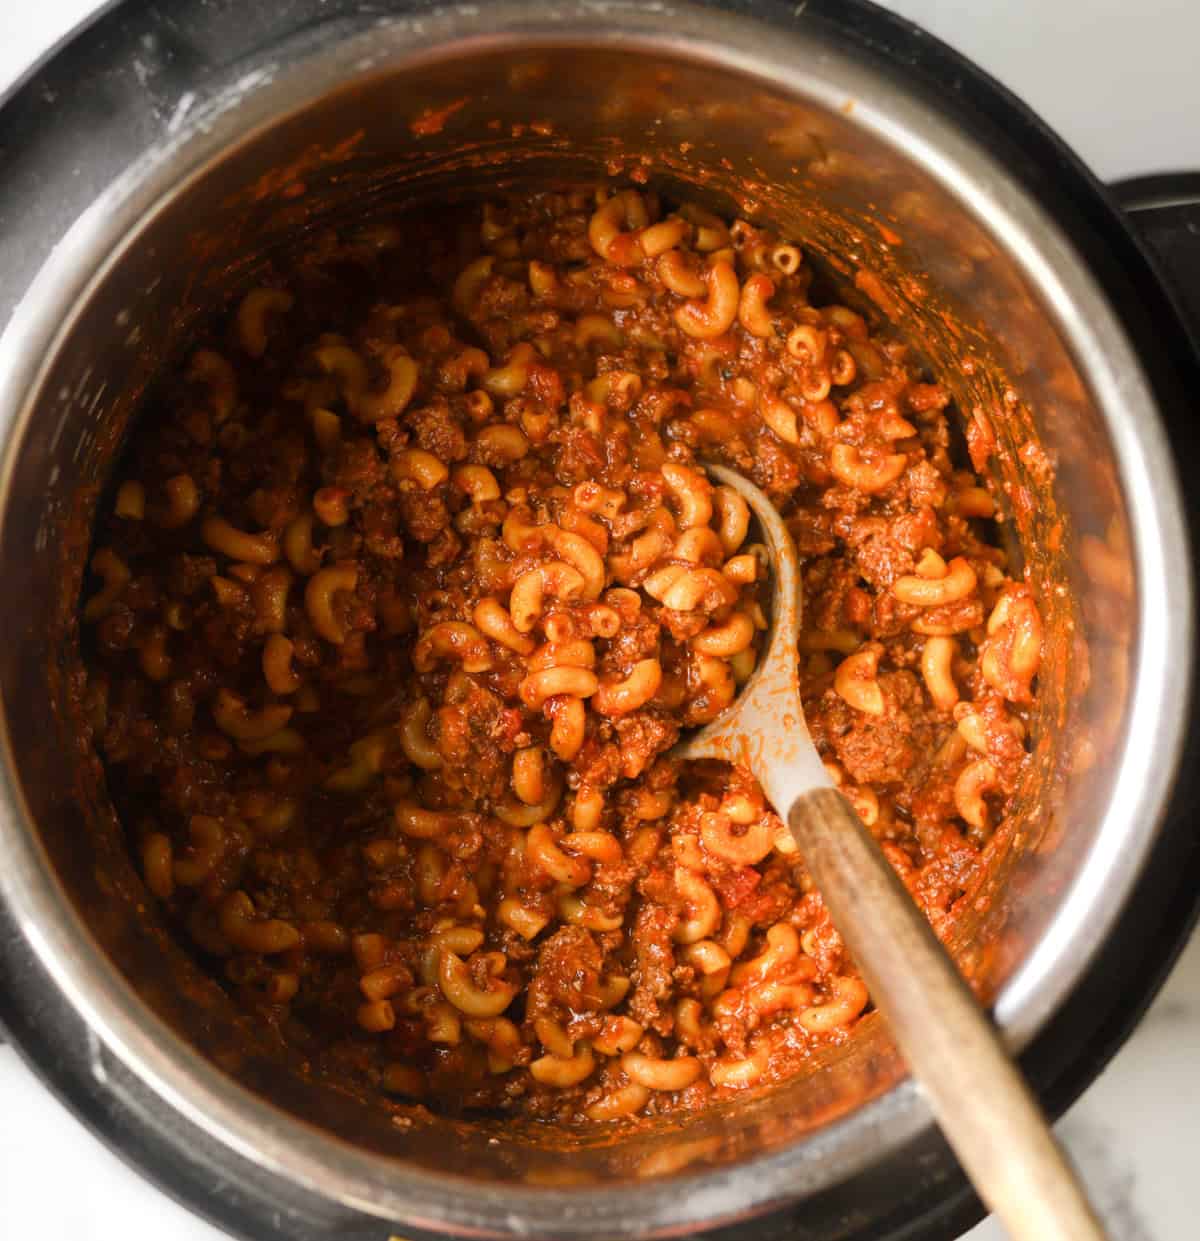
(1119, 81)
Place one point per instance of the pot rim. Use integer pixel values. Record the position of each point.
(378, 1186)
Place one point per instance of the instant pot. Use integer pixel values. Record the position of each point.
(155, 162)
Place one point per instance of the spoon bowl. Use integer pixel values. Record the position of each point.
(764, 728)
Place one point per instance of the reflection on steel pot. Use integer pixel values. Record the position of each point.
(951, 211)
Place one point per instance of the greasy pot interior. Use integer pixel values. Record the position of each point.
(812, 161)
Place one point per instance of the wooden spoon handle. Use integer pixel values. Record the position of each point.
(980, 1099)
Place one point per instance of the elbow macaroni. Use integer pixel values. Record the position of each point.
(439, 772)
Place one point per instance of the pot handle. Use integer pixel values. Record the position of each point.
(1164, 210)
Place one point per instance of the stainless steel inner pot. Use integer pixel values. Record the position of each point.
(900, 206)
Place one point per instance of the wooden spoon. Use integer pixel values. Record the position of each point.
(985, 1109)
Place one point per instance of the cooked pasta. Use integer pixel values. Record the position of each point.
(408, 592)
